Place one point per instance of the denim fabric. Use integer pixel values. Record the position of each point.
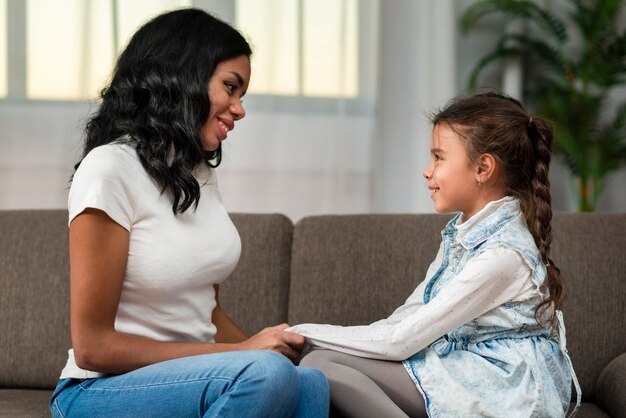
(231, 384)
(503, 362)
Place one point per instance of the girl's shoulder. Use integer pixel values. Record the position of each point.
(514, 235)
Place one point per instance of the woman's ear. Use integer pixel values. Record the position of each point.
(486, 168)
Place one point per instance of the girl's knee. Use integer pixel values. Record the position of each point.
(318, 359)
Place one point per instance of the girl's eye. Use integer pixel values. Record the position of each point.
(230, 86)
(437, 157)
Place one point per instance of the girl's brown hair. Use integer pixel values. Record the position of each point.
(491, 123)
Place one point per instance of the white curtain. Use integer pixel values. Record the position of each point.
(60, 55)
(346, 155)
(298, 151)
(327, 138)
(304, 147)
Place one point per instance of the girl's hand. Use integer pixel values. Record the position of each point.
(275, 339)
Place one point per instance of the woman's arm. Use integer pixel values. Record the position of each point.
(98, 254)
(487, 281)
(227, 330)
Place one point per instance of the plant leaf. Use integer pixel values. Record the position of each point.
(550, 58)
(515, 9)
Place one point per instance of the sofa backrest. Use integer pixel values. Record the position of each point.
(255, 295)
(34, 288)
(352, 270)
(345, 269)
(590, 250)
(356, 269)
(34, 302)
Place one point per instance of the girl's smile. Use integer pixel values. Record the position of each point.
(451, 176)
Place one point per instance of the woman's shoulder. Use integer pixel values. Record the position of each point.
(115, 151)
(107, 179)
(114, 158)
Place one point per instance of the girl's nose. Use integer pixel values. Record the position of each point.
(427, 173)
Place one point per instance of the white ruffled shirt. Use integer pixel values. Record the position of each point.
(494, 277)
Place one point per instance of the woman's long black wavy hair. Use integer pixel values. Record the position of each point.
(158, 99)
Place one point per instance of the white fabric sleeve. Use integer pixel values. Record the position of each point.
(106, 180)
(490, 279)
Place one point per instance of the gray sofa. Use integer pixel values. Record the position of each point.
(351, 269)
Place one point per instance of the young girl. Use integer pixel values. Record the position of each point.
(482, 335)
(150, 242)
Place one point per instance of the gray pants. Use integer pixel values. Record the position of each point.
(361, 387)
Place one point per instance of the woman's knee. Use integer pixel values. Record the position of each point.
(309, 373)
(284, 378)
(266, 380)
(274, 370)
(313, 380)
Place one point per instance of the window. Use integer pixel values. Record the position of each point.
(88, 36)
(302, 47)
(3, 49)
(70, 46)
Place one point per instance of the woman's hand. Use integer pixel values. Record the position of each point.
(275, 339)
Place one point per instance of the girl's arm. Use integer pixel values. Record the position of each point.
(227, 330)
(487, 281)
(98, 254)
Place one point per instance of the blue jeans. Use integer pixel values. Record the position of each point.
(230, 384)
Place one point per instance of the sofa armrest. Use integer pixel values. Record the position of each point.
(611, 387)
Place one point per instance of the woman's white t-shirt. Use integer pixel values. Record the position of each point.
(173, 260)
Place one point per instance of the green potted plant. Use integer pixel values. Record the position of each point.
(569, 83)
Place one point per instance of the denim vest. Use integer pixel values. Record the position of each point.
(503, 362)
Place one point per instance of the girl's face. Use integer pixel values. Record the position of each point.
(227, 86)
(452, 178)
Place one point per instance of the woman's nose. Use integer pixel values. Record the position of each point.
(237, 110)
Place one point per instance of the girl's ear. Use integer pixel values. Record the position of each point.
(485, 168)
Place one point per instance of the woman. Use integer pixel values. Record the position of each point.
(150, 241)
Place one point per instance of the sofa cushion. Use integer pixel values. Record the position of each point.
(24, 403)
(34, 271)
(589, 410)
(589, 249)
(255, 295)
(355, 269)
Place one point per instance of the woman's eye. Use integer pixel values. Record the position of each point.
(230, 86)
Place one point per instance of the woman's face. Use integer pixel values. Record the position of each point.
(227, 86)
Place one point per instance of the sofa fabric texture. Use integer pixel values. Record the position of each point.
(341, 269)
(34, 300)
(255, 295)
(590, 251)
(357, 269)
